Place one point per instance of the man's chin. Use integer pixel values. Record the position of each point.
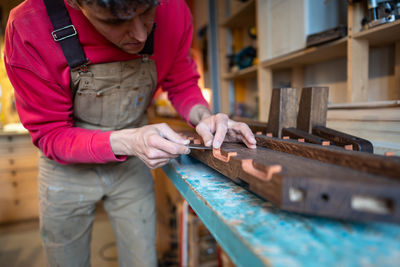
(132, 48)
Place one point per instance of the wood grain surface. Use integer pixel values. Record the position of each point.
(375, 164)
(313, 108)
(283, 110)
(325, 189)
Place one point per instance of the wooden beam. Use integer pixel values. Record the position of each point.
(375, 164)
(313, 108)
(357, 53)
(308, 186)
(296, 134)
(283, 110)
(264, 92)
(343, 139)
(396, 93)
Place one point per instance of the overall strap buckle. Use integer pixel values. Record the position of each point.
(64, 33)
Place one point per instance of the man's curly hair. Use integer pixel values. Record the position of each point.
(123, 9)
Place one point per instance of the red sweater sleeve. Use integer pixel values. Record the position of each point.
(181, 82)
(46, 111)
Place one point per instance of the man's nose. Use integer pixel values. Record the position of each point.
(137, 30)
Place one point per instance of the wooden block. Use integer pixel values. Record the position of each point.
(309, 186)
(295, 133)
(313, 108)
(283, 110)
(375, 164)
(343, 139)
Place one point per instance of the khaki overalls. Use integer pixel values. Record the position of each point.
(109, 96)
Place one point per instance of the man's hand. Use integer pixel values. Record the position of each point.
(216, 129)
(154, 144)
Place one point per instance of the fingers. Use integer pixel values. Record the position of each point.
(205, 131)
(154, 164)
(166, 132)
(217, 124)
(217, 128)
(221, 123)
(243, 131)
(159, 147)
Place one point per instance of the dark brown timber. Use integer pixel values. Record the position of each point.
(376, 164)
(283, 110)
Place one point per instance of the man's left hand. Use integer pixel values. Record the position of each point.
(218, 128)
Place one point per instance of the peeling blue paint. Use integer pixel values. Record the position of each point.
(271, 237)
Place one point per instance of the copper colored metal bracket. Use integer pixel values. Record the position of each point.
(264, 175)
(348, 147)
(217, 154)
(269, 134)
(197, 141)
(259, 133)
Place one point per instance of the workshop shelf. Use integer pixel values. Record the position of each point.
(241, 18)
(381, 35)
(308, 56)
(249, 72)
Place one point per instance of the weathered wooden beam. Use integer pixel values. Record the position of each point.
(375, 164)
(283, 110)
(343, 139)
(297, 134)
(313, 108)
(307, 186)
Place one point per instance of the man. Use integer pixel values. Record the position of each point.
(88, 118)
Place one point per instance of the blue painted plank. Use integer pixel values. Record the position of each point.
(255, 233)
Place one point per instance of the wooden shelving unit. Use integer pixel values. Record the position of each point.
(250, 72)
(243, 17)
(381, 35)
(358, 90)
(309, 56)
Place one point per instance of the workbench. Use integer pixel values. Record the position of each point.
(255, 233)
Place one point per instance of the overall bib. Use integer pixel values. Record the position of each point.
(107, 96)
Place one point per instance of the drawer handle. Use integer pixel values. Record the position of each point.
(14, 184)
(16, 202)
(11, 162)
(13, 173)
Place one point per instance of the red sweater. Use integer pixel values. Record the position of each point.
(40, 75)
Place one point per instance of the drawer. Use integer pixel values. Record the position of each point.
(18, 150)
(19, 209)
(17, 189)
(15, 140)
(10, 162)
(19, 175)
(17, 144)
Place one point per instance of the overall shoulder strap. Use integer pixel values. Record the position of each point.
(65, 33)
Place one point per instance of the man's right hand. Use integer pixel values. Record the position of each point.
(154, 144)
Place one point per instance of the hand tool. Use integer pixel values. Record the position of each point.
(194, 146)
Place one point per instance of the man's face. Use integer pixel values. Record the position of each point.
(130, 35)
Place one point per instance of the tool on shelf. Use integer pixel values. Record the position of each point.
(381, 12)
